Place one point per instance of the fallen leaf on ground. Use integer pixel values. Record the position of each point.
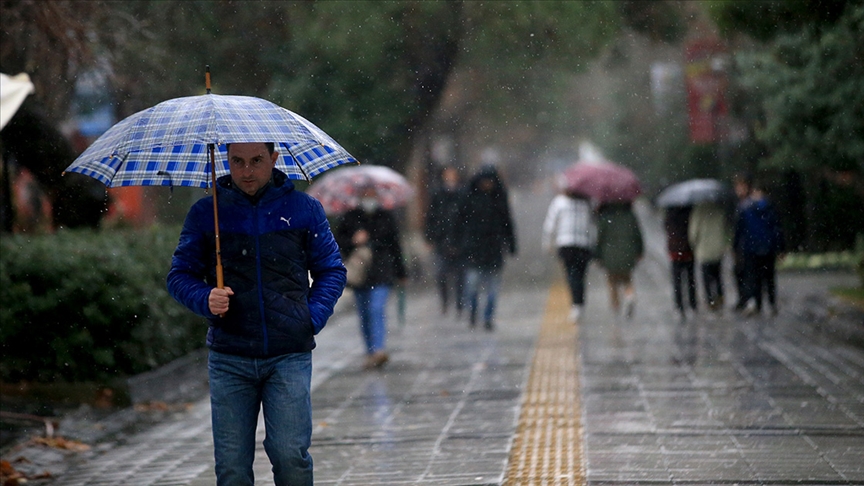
(9, 476)
(61, 443)
(157, 406)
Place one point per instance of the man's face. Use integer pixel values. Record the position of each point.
(251, 165)
(742, 189)
(450, 177)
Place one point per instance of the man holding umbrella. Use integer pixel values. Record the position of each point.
(263, 322)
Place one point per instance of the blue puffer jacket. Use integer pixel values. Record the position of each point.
(267, 247)
(758, 230)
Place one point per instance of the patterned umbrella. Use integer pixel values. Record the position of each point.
(603, 181)
(694, 191)
(340, 190)
(166, 145)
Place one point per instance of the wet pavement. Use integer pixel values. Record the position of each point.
(712, 400)
(721, 400)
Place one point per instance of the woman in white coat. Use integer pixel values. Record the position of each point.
(571, 227)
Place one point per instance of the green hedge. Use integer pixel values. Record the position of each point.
(853, 260)
(83, 305)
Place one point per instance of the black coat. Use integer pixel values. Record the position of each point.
(441, 223)
(387, 261)
(485, 229)
(676, 224)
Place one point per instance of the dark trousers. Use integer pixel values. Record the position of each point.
(680, 270)
(761, 278)
(713, 283)
(449, 278)
(575, 263)
(741, 280)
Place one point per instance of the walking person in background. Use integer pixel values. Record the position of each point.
(485, 234)
(570, 223)
(441, 232)
(263, 322)
(676, 222)
(741, 184)
(619, 248)
(759, 236)
(373, 227)
(710, 234)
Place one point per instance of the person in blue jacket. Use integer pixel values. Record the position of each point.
(273, 238)
(759, 239)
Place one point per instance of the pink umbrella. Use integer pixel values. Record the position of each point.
(603, 181)
(339, 190)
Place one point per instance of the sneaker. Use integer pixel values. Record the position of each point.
(575, 312)
(750, 309)
(376, 360)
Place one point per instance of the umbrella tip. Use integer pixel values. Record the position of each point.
(207, 78)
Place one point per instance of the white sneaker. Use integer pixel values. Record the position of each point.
(575, 312)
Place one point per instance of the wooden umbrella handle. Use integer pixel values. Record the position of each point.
(220, 282)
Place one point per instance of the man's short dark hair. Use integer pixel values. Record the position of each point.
(270, 147)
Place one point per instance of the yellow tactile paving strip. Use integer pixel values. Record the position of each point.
(547, 447)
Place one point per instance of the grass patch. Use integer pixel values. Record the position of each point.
(819, 261)
(853, 295)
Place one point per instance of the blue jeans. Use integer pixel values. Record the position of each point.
(485, 280)
(372, 307)
(239, 386)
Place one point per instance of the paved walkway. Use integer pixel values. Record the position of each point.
(709, 401)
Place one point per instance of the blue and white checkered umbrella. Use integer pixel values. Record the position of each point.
(166, 145)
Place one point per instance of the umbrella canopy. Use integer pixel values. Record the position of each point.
(13, 91)
(341, 190)
(694, 191)
(175, 142)
(603, 181)
(166, 145)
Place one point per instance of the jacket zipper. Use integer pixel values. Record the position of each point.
(259, 278)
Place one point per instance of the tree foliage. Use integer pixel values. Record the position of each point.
(809, 85)
(369, 73)
(51, 41)
(766, 19)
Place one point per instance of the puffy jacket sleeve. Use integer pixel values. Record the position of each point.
(186, 279)
(550, 224)
(325, 267)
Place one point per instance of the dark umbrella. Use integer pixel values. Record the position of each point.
(694, 191)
